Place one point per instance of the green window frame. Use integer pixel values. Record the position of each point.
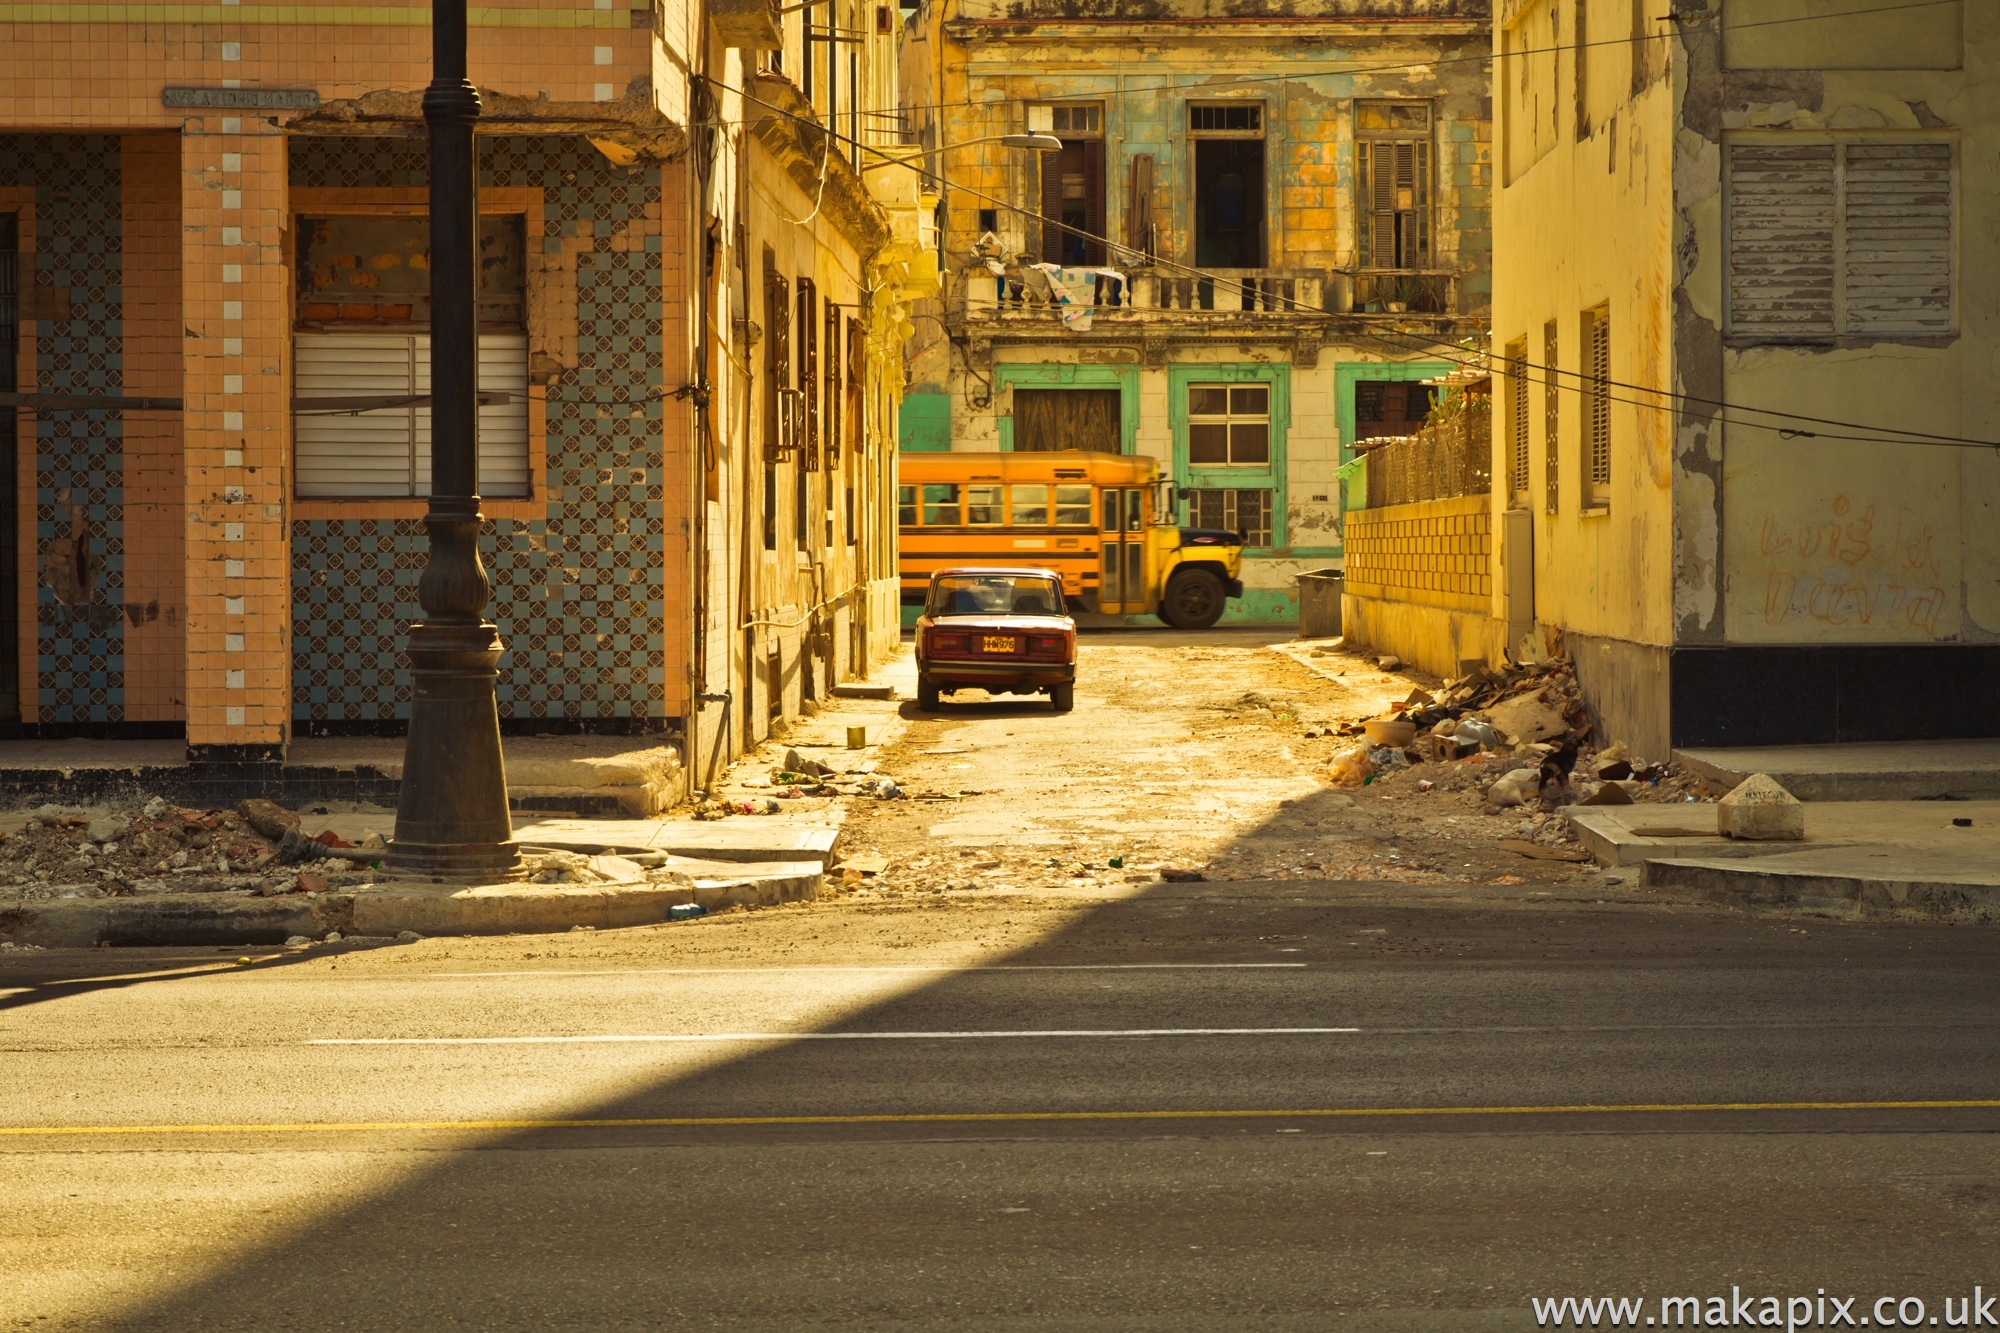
(1267, 476)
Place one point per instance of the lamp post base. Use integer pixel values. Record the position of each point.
(451, 816)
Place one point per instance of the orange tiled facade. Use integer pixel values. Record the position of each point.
(234, 559)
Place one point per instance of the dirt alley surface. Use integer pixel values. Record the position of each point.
(1197, 752)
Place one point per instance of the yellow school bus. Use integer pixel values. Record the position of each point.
(1102, 521)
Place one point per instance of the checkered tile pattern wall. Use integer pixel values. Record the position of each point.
(577, 593)
(78, 455)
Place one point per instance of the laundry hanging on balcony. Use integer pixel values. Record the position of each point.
(1077, 292)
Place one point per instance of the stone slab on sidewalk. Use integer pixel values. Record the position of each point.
(1630, 835)
(634, 776)
(1872, 771)
(1858, 857)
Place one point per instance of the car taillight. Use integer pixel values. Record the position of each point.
(1049, 645)
(942, 644)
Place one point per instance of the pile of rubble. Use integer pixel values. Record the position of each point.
(796, 777)
(163, 848)
(1520, 734)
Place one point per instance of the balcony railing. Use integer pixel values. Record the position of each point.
(1451, 456)
(1402, 291)
(1269, 290)
(1274, 291)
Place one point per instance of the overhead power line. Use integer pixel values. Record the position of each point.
(1553, 376)
(1483, 57)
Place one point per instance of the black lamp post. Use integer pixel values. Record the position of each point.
(452, 814)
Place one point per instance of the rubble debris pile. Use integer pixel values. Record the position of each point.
(162, 848)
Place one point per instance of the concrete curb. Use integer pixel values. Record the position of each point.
(1758, 885)
(488, 909)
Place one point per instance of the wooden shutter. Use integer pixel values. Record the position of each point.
(1093, 200)
(857, 380)
(1517, 389)
(1047, 419)
(1051, 168)
(1782, 212)
(835, 384)
(777, 360)
(809, 368)
(1897, 277)
(1598, 324)
(1139, 206)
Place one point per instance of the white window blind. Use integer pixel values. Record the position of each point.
(386, 452)
(1827, 239)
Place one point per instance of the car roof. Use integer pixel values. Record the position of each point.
(1035, 571)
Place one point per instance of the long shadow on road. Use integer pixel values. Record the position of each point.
(1182, 1196)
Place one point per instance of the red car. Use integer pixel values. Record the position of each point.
(1001, 628)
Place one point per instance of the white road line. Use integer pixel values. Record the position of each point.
(825, 1036)
(856, 968)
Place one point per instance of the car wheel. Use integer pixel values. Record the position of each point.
(1063, 696)
(1195, 599)
(927, 694)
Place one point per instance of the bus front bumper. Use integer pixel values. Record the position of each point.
(1234, 587)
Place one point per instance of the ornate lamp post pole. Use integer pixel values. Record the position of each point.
(452, 814)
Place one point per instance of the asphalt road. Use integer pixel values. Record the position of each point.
(1209, 1106)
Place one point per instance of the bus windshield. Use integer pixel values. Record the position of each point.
(995, 595)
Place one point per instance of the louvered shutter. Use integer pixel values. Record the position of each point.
(1898, 269)
(503, 427)
(1380, 188)
(1051, 167)
(1093, 199)
(1782, 213)
(387, 452)
(366, 454)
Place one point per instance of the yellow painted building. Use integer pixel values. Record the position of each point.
(1744, 315)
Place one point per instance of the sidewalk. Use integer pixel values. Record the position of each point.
(580, 873)
(1929, 858)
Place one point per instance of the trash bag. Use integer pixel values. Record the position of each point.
(1353, 767)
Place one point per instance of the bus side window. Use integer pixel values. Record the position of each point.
(1111, 507)
(1072, 506)
(941, 505)
(1135, 511)
(982, 507)
(906, 506)
(1031, 506)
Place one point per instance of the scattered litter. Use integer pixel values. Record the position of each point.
(686, 911)
(1182, 875)
(1610, 793)
(411, 936)
(298, 941)
(1961, 823)
(1522, 847)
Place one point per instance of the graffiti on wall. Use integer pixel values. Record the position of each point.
(1852, 567)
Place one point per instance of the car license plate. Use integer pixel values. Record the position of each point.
(996, 643)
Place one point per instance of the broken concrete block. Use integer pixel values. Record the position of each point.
(1759, 810)
(1526, 718)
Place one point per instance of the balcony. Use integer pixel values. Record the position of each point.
(1387, 293)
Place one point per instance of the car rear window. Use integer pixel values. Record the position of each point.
(995, 595)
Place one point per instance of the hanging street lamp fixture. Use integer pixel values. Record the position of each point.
(451, 815)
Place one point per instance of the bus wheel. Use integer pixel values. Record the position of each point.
(1063, 696)
(1194, 599)
(927, 694)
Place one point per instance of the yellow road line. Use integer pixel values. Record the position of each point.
(990, 1117)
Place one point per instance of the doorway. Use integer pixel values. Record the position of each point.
(1046, 419)
(1229, 203)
